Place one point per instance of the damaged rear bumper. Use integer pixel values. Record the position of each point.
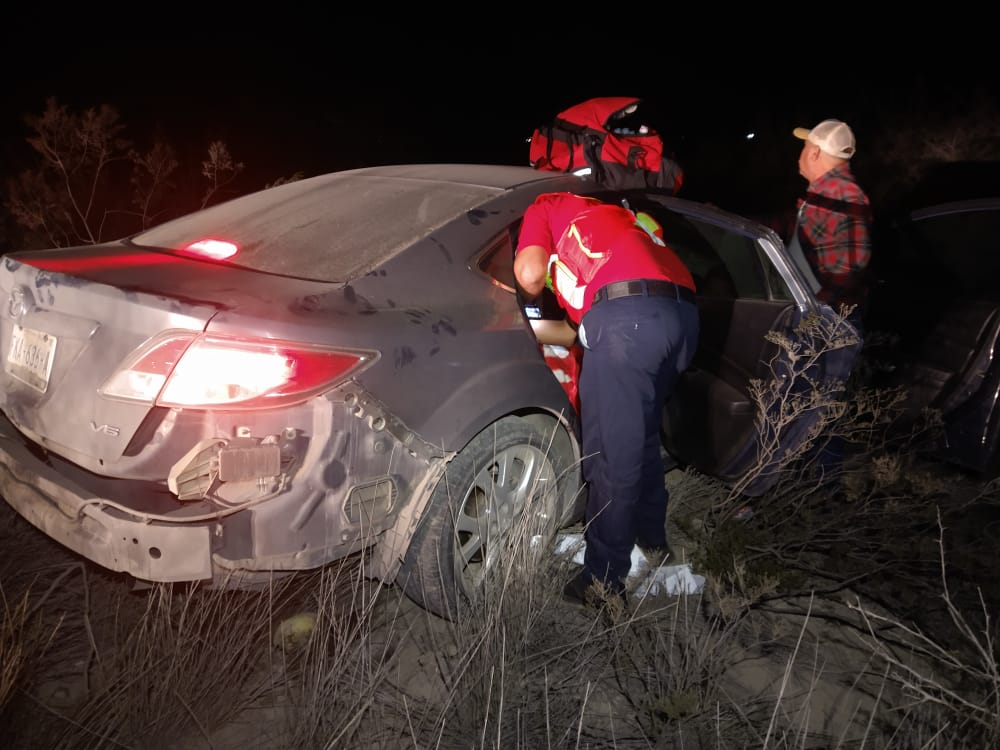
(97, 528)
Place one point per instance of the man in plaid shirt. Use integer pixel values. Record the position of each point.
(832, 242)
(833, 229)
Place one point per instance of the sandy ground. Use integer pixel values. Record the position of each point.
(805, 656)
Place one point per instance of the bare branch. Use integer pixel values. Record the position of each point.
(64, 197)
(219, 169)
(150, 178)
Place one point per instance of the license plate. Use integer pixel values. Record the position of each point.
(30, 357)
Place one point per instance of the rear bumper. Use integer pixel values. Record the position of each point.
(95, 527)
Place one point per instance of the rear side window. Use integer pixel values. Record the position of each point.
(498, 262)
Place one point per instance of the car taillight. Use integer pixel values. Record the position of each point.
(189, 370)
(211, 249)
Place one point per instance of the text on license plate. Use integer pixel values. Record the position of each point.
(30, 357)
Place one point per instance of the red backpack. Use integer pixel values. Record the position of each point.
(598, 134)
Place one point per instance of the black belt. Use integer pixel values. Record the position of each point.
(643, 287)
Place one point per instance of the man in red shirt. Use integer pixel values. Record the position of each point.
(633, 300)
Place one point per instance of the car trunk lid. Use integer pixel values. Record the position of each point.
(69, 320)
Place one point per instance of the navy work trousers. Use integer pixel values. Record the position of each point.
(635, 348)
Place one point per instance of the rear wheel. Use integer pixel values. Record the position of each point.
(506, 487)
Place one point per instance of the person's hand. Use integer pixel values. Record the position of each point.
(554, 332)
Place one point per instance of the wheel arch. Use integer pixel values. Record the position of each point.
(563, 436)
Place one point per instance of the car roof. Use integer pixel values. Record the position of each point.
(337, 226)
(952, 207)
(496, 176)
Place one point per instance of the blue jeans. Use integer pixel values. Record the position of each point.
(634, 350)
(830, 451)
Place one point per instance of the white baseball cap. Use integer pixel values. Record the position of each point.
(832, 136)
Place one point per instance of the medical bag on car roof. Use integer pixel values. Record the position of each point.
(602, 135)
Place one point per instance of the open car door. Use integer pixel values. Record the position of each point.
(747, 287)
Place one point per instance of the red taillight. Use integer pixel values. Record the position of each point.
(211, 249)
(183, 369)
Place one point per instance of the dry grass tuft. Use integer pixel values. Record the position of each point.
(24, 639)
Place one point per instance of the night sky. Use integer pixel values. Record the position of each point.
(353, 93)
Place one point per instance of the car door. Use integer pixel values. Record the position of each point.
(748, 288)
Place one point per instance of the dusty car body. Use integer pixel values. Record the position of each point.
(342, 363)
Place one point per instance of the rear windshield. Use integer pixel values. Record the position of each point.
(329, 228)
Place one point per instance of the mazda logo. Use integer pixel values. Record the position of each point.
(17, 304)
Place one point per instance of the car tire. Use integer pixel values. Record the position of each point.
(478, 513)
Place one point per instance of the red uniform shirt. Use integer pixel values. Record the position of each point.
(612, 247)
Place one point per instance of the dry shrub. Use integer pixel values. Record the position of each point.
(517, 666)
(800, 551)
(337, 671)
(951, 684)
(181, 666)
(24, 639)
(164, 667)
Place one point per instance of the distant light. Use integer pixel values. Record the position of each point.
(750, 136)
(212, 249)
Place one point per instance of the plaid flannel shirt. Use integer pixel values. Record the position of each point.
(834, 231)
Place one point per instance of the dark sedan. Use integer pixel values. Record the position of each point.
(343, 363)
(937, 292)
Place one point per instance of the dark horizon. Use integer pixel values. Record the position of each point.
(312, 108)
